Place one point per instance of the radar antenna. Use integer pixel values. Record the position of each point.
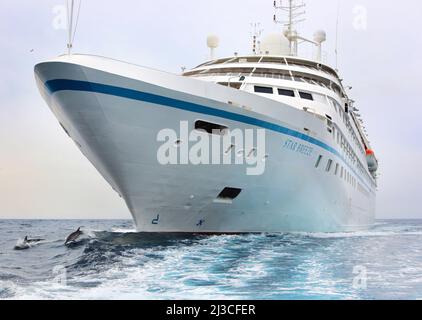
(295, 11)
(212, 43)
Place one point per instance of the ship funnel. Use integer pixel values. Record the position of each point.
(212, 43)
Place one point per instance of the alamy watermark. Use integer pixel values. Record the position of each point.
(360, 18)
(217, 147)
(60, 17)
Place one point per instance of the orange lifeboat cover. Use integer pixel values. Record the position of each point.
(370, 152)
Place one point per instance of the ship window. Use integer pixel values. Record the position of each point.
(318, 162)
(329, 165)
(306, 96)
(211, 128)
(273, 60)
(337, 166)
(229, 193)
(268, 90)
(235, 85)
(286, 92)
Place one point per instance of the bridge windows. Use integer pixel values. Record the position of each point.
(260, 89)
(286, 92)
(273, 60)
(306, 95)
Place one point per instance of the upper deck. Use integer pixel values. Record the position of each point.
(300, 83)
(271, 67)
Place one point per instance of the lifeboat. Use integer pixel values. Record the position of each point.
(371, 160)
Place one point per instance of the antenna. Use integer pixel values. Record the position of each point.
(337, 22)
(256, 33)
(70, 25)
(295, 11)
(72, 29)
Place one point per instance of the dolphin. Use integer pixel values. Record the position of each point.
(26, 240)
(22, 245)
(26, 243)
(73, 236)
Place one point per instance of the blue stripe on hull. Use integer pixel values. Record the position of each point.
(76, 85)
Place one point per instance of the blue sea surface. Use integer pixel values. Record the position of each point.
(111, 261)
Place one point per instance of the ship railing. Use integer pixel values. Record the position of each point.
(262, 75)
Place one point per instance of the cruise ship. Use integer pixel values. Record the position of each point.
(315, 170)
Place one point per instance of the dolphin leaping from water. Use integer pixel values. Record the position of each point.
(73, 236)
(32, 240)
(26, 243)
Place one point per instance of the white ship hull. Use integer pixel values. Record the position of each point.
(114, 111)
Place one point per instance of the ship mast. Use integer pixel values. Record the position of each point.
(295, 11)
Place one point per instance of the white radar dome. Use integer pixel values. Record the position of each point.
(320, 36)
(275, 44)
(212, 41)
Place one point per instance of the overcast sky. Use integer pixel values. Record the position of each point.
(43, 174)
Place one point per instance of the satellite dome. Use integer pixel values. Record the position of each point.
(275, 44)
(212, 41)
(320, 36)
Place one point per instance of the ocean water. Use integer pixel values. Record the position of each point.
(111, 261)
